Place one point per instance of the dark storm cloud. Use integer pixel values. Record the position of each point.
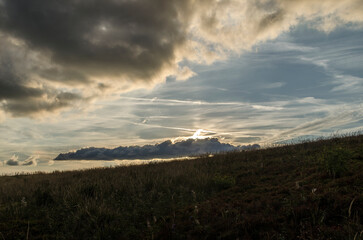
(11, 89)
(20, 95)
(163, 150)
(11, 82)
(26, 108)
(137, 37)
(74, 42)
(21, 99)
(66, 76)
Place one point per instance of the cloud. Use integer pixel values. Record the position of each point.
(50, 49)
(130, 39)
(348, 83)
(22, 93)
(12, 162)
(332, 120)
(165, 149)
(58, 55)
(266, 108)
(247, 139)
(2, 115)
(185, 73)
(15, 161)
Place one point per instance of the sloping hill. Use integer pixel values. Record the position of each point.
(312, 190)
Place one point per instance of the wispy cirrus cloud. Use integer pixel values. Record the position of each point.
(330, 121)
(161, 101)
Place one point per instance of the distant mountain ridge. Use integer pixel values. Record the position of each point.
(163, 150)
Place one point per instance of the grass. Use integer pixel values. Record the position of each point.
(311, 190)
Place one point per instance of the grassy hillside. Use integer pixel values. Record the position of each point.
(305, 191)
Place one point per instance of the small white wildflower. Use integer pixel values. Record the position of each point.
(194, 195)
(196, 209)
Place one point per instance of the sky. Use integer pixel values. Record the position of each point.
(109, 73)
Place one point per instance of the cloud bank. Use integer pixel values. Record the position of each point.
(15, 161)
(165, 149)
(57, 55)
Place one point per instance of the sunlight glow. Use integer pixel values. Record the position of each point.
(196, 135)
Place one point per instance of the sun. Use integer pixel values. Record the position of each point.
(196, 135)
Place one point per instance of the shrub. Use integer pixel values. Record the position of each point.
(223, 181)
(334, 161)
(43, 197)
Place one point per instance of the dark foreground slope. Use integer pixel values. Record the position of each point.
(305, 191)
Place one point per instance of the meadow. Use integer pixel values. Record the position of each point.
(309, 190)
